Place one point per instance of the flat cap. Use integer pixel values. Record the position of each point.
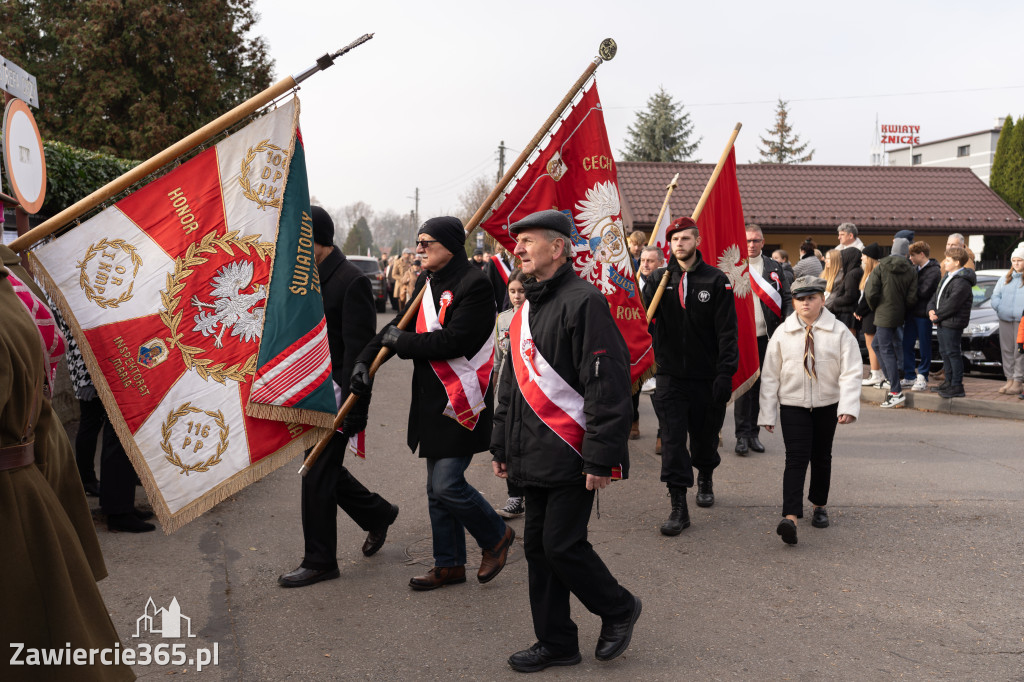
(545, 220)
(807, 285)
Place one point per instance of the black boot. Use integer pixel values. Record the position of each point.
(680, 516)
(705, 491)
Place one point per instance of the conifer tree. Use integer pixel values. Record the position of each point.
(359, 239)
(781, 145)
(662, 132)
(1001, 161)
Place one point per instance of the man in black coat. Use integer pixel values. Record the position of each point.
(768, 315)
(918, 328)
(351, 319)
(453, 331)
(950, 310)
(695, 335)
(560, 431)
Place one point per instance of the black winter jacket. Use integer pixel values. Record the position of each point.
(350, 311)
(927, 285)
(468, 323)
(846, 290)
(699, 342)
(954, 310)
(574, 331)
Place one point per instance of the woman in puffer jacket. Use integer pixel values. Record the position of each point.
(1008, 302)
(846, 290)
(810, 382)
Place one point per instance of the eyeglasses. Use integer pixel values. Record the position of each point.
(754, 241)
(424, 243)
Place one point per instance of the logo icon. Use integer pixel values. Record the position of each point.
(704, 296)
(152, 353)
(556, 167)
(165, 622)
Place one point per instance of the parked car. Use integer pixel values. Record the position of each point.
(371, 268)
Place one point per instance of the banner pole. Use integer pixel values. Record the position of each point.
(186, 144)
(696, 214)
(606, 52)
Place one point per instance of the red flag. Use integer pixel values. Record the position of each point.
(723, 244)
(575, 173)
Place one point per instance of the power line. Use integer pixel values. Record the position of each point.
(444, 186)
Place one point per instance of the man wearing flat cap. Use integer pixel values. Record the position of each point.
(695, 348)
(560, 431)
(450, 413)
(351, 318)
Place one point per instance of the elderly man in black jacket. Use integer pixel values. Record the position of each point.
(449, 416)
(772, 304)
(351, 318)
(560, 431)
(695, 347)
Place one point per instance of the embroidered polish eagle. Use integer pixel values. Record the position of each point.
(603, 243)
(232, 307)
(735, 268)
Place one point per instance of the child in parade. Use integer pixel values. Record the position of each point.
(810, 382)
(515, 506)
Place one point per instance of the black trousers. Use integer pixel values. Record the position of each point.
(636, 406)
(685, 409)
(89, 425)
(327, 486)
(117, 477)
(808, 435)
(749, 404)
(561, 561)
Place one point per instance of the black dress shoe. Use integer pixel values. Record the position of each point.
(301, 577)
(705, 490)
(128, 523)
(375, 538)
(537, 657)
(741, 447)
(755, 444)
(92, 489)
(820, 519)
(787, 529)
(615, 636)
(143, 514)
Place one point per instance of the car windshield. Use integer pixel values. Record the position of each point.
(369, 267)
(983, 291)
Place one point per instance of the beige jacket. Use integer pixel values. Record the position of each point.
(837, 363)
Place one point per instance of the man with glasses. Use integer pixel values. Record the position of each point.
(450, 413)
(772, 305)
(848, 237)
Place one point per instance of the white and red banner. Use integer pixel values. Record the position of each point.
(660, 240)
(575, 173)
(182, 294)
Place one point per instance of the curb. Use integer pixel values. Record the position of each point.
(932, 402)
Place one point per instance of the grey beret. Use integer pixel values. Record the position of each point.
(545, 220)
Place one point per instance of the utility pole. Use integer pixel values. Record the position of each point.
(501, 160)
(416, 213)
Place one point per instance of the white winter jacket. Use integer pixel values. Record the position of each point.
(837, 364)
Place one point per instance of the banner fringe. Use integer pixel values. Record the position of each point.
(746, 385)
(648, 374)
(290, 414)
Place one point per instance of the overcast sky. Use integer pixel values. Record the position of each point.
(426, 102)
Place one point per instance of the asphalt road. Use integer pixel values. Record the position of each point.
(920, 576)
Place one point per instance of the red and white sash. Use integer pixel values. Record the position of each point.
(499, 264)
(465, 381)
(50, 337)
(557, 404)
(765, 291)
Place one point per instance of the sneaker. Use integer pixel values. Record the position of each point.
(893, 399)
(884, 385)
(920, 385)
(907, 383)
(874, 378)
(513, 509)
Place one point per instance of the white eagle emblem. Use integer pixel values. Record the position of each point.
(232, 309)
(735, 268)
(603, 242)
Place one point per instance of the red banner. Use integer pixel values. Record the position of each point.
(575, 173)
(724, 245)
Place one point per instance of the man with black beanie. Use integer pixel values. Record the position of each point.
(351, 319)
(450, 412)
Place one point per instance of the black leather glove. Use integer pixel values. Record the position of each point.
(354, 422)
(361, 383)
(391, 336)
(1020, 347)
(721, 390)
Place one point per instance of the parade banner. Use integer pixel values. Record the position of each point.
(723, 244)
(575, 173)
(185, 292)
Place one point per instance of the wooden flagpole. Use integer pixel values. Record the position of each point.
(606, 52)
(696, 214)
(180, 147)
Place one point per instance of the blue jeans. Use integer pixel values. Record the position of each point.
(886, 344)
(917, 329)
(455, 507)
(952, 355)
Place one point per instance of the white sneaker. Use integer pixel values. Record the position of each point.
(907, 383)
(920, 385)
(648, 386)
(893, 400)
(873, 379)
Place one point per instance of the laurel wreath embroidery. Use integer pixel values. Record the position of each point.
(247, 190)
(174, 459)
(83, 279)
(171, 316)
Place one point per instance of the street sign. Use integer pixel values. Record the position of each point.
(18, 82)
(23, 156)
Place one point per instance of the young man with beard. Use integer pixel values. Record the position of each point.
(695, 334)
(560, 431)
(450, 414)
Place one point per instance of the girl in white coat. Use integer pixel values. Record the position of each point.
(810, 382)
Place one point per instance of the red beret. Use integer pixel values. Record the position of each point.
(683, 223)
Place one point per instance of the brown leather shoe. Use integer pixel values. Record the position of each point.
(439, 576)
(634, 431)
(493, 560)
